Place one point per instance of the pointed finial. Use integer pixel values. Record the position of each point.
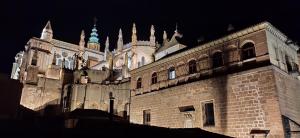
(120, 41)
(152, 30)
(47, 32)
(120, 33)
(152, 36)
(133, 36)
(165, 35)
(107, 43)
(82, 41)
(133, 28)
(82, 35)
(48, 25)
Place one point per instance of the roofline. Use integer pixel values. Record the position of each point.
(258, 27)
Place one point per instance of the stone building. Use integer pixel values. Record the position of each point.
(70, 76)
(243, 83)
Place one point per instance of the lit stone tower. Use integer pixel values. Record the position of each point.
(93, 42)
(120, 41)
(152, 36)
(47, 33)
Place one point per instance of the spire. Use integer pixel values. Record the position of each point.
(165, 38)
(94, 35)
(93, 42)
(82, 41)
(47, 33)
(107, 43)
(152, 36)
(133, 37)
(120, 41)
(106, 50)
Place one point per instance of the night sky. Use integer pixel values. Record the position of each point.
(21, 20)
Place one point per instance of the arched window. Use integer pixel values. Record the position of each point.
(171, 73)
(139, 83)
(154, 78)
(248, 51)
(192, 67)
(217, 59)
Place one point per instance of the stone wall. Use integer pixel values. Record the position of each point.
(242, 101)
(47, 91)
(97, 96)
(289, 99)
(231, 53)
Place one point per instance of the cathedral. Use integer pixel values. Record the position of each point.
(243, 84)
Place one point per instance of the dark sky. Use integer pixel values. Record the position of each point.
(21, 20)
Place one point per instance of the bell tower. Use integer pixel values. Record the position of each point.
(93, 42)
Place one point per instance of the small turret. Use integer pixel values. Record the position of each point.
(120, 41)
(165, 38)
(152, 36)
(47, 33)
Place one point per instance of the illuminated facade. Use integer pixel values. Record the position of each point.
(242, 83)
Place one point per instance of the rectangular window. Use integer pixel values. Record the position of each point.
(171, 73)
(34, 62)
(208, 113)
(146, 117)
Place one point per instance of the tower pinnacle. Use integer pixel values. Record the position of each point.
(165, 38)
(82, 41)
(120, 41)
(133, 37)
(93, 42)
(152, 36)
(47, 33)
(107, 44)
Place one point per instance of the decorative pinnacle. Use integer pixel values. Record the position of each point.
(152, 30)
(107, 42)
(120, 33)
(133, 28)
(165, 36)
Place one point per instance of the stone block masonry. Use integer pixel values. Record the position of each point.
(242, 101)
